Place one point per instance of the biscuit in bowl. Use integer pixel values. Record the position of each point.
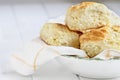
(97, 40)
(87, 15)
(59, 35)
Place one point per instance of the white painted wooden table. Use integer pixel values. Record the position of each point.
(21, 21)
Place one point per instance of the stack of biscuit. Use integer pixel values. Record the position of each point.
(89, 26)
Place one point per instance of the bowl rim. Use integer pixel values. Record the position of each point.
(91, 59)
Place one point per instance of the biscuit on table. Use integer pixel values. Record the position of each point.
(59, 35)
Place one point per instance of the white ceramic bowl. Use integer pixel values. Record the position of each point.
(93, 69)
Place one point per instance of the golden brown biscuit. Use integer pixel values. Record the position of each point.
(59, 35)
(87, 15)
(97, 40)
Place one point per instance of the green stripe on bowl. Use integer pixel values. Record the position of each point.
(78, 57)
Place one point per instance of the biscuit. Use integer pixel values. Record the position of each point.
(59, 35)
(87, 15)
(97, 40)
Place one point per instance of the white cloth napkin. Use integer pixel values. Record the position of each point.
(36, 53)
